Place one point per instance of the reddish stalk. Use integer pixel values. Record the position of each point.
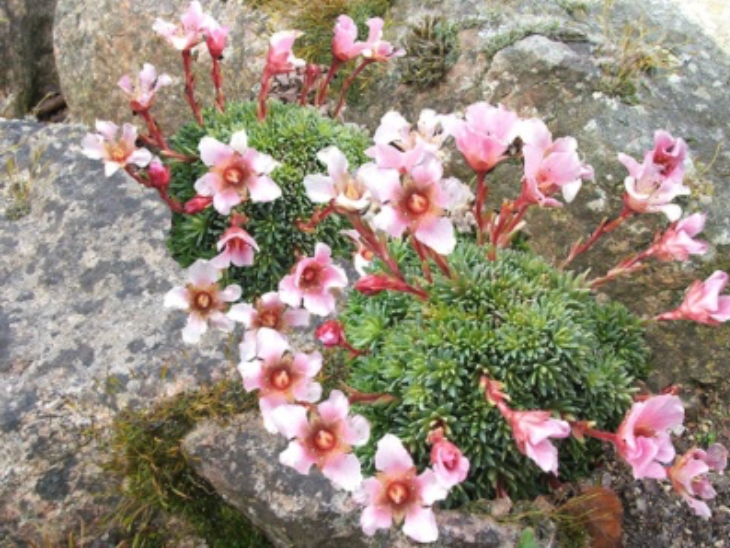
(319, 215)
(190, 86)
(173, 204)
(626, 266)
(322, 94)
(481, 198)
(603, 228)
(265, 85)
(217, 76)
(348, 83)
(153, 129)
(440, 260)
(169, 153)
(422, 254)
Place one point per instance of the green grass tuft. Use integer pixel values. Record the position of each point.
(432, 48)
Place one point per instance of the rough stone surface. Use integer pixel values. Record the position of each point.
(96, 42)
(241, 461)
(27, 68)
(82, 331)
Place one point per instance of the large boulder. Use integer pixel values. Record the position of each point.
(97, 42)
(241, 461)
(27, 68)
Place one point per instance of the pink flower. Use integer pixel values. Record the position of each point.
(204, 300)
(189, 33)
(142, 92)
(216, 38)
(449, 464)
(269, 312)
(280, 377)
(676, 244)
(348, 193)
(363, 256)
(158, 174)
(397, 493)
(669, 155)
(377, 49)
(115, 153)
(417, 206)
(532, 431)
(485, 136)
(236, 247)
(280, 59)
(313, 281)
(550, 165)
(344, 46)
(643, 438)
(325, 440)
(235, 170)
(703, 302)
(689, 480)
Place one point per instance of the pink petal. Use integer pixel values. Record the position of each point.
(391, 221)
(93, 146)
(194, 329)
(296, 457)
(107, 129)
(247, 349)
(178, 298)
(438, 235)
(270, 344)
(289, 292)
(699, 507)
(224, 201)
(307, 364)
(239, 142)
(374, 518)
(263, 189)
(201, 273)
(544, 454)
(231, 293)
(126, 84)
(252, 373)
(334, 276)
(344, 471)
(335, 408)
(262, 164)
(243, 313)
(393, 127)
(297, 317)
(430, 488)
(320, 188)
(110, 168)
(383, 183)
(321, 303)
(291, 421)
(357, 432)
(242, 257)
(335, 160)
(310, 392)
(322, 254)
(208, 184)
(213, 152)
(391, 457)
(420, 525)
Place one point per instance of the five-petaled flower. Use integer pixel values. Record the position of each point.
(115, 153)
(235, 171)
(703, 302)
(449, 463)
(189, 33)
(324, 439)
(236, 247)
(398, 493)
(312, 282)
(345, 191)
(676, 244)
(532, 431)
(205, 301)
(377, 49)
(279, 376)
(688, 476)
(643, 438)
(142, 92)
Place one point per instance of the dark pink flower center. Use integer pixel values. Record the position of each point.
(203, 301)
(310, 277)
(118, 154)
(280, 379)
(234, 176)
(398, 493)
(324, 440)
(269, 318)
(418, 204)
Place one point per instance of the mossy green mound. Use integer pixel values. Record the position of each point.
(517, 320)
(293, 136)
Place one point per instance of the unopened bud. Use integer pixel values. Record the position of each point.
(331, 334)
(197, 204)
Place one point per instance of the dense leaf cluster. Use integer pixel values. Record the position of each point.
(517, 320)
(290, 134)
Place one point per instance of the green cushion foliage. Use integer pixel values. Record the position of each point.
(517, 320)
(290, 134)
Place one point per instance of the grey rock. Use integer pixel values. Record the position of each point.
(97, 42)
(27, 68)
(241, 461)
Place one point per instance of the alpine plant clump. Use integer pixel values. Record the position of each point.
(472, 369)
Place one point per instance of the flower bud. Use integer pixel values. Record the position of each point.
(331, 334)
(197, 204)
(158, 174)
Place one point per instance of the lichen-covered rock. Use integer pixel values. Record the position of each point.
(27, 68)
(241, 461)
(96, 42)
(82, 330)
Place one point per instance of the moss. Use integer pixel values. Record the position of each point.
(158, 482)
(432, 48)
(293, 136)
(552, 30)
(517, 320)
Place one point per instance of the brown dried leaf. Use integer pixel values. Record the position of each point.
(600, 511)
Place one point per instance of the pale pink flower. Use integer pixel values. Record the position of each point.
(235, 171)
(485, 136)
(363, 256)
(417, 205)
(377, 49)
(325, 440)
(703, 302)
(676, 244)
(688, 476)
(204, 299)
(280, 59)
(449, 463)
(669, 155)
(189, 33)
(344, 46)
(550, 165)
(268, 312)
(280, 377)
(115, 153)
(236, 247)
(313, 281)
(643, 437)
(216, 38)
(347, 192)
(397, 493)
(532, 431)
(142, 92)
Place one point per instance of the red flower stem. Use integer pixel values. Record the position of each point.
(348, 83)
(190, 86)
(603, 228)
(354, 352)
(173, 204)
(481, 198)
(318, 216)
(169, 153)
(371, 241)
(153, 129)
(217, 76)
(355, 396)
(265, 85)
(322, 95)
(626, 266)
(442, 263)
(424, 258)
(600, 435)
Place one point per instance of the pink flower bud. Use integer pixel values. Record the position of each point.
(331, 334)
(197, 204)
(158, 174)
(676, 244)
(377, 283)
(449, 464)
